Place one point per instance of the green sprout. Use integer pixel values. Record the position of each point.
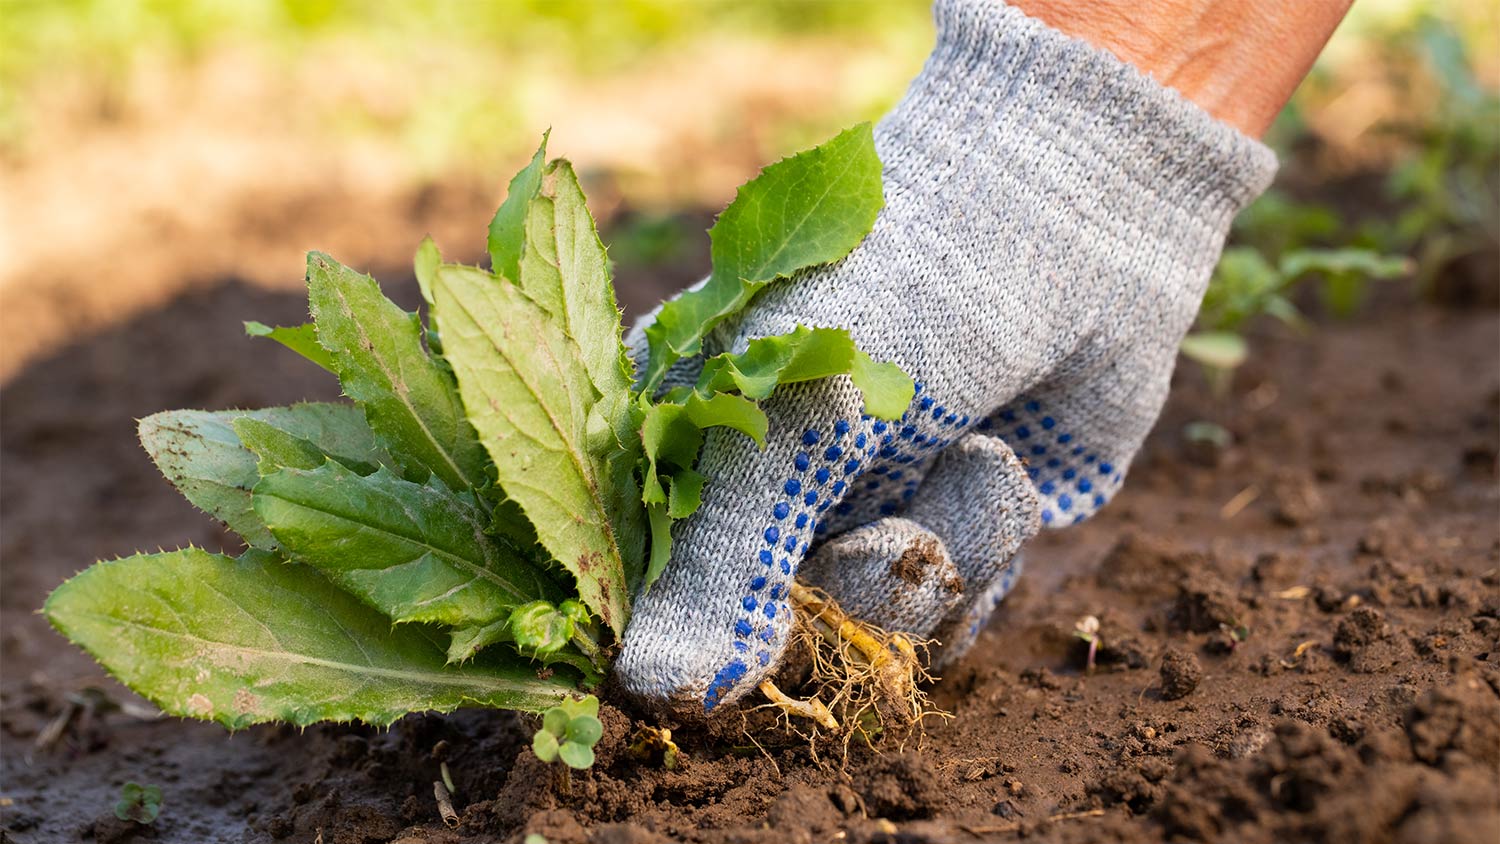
(1087, 630)
(569, 732)
(138, 803)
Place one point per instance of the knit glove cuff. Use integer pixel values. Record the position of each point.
(1122, 129)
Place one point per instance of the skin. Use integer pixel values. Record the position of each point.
(1238, 59)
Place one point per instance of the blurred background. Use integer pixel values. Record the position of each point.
(151, 146)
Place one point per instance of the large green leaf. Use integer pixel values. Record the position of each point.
(415, 552)
(810, 209)
(564, 269)
(202, 455)
(530, 397)
(507, 229)
(410, 402)
(256, 639)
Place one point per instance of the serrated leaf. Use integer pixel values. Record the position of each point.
(249, 640)
(808, 354)
(529, 396)
(564, 270)
(305, 436)
(809, 209)
(416, 552)
(508, 228)
(302, 339)
(410, 402)
(465, 642)
(200, 453)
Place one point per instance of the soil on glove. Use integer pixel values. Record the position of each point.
(1300, 634)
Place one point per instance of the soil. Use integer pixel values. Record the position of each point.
(1300, 634)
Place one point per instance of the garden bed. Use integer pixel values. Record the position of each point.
(1350, 530)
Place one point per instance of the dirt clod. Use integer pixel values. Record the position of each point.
(1180, 674)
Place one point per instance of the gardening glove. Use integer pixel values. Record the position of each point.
(1051, 220)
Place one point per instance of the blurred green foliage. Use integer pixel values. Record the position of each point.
(454, 53)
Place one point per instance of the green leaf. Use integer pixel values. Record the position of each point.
(1217, 349)
(545, 745)
(412, 551)
(202, 455)
(1364, 262)
(564, 269)
(686, 493)
(579, 757)
(585, 730)
(302, 339)
(579, 706)
(808, 354)
(555, 721)
(410, 402)
(661, 543)
(810, 209)
(726, 410)
(529, 395)
(465, 642)
(305, 436)
(888, 391)
(255, 639)
(425, 266)
(507, 229)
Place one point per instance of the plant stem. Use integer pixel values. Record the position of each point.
(589, 647)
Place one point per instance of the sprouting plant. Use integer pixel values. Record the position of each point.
(1448, 185)
(1235, 635)
(471, 529)
(1246, 283)
(569, 732)
(1087, 629)
(139, 803)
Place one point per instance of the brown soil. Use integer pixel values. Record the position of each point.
(1349, 536)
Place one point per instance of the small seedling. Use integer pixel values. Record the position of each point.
(569, 732)
(138, 803)
(1234, 635)
(1247, 283)
(1087, 629)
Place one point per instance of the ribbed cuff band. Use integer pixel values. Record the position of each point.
(994, 63)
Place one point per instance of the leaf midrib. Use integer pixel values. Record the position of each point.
(401, 395)
(439, 677)
(476, 569)
(569, 447)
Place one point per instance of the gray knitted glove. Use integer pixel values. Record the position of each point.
(1051, 220)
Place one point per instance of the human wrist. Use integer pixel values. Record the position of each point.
(1239, 61)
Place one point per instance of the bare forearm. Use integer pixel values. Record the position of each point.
(1238, 59)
